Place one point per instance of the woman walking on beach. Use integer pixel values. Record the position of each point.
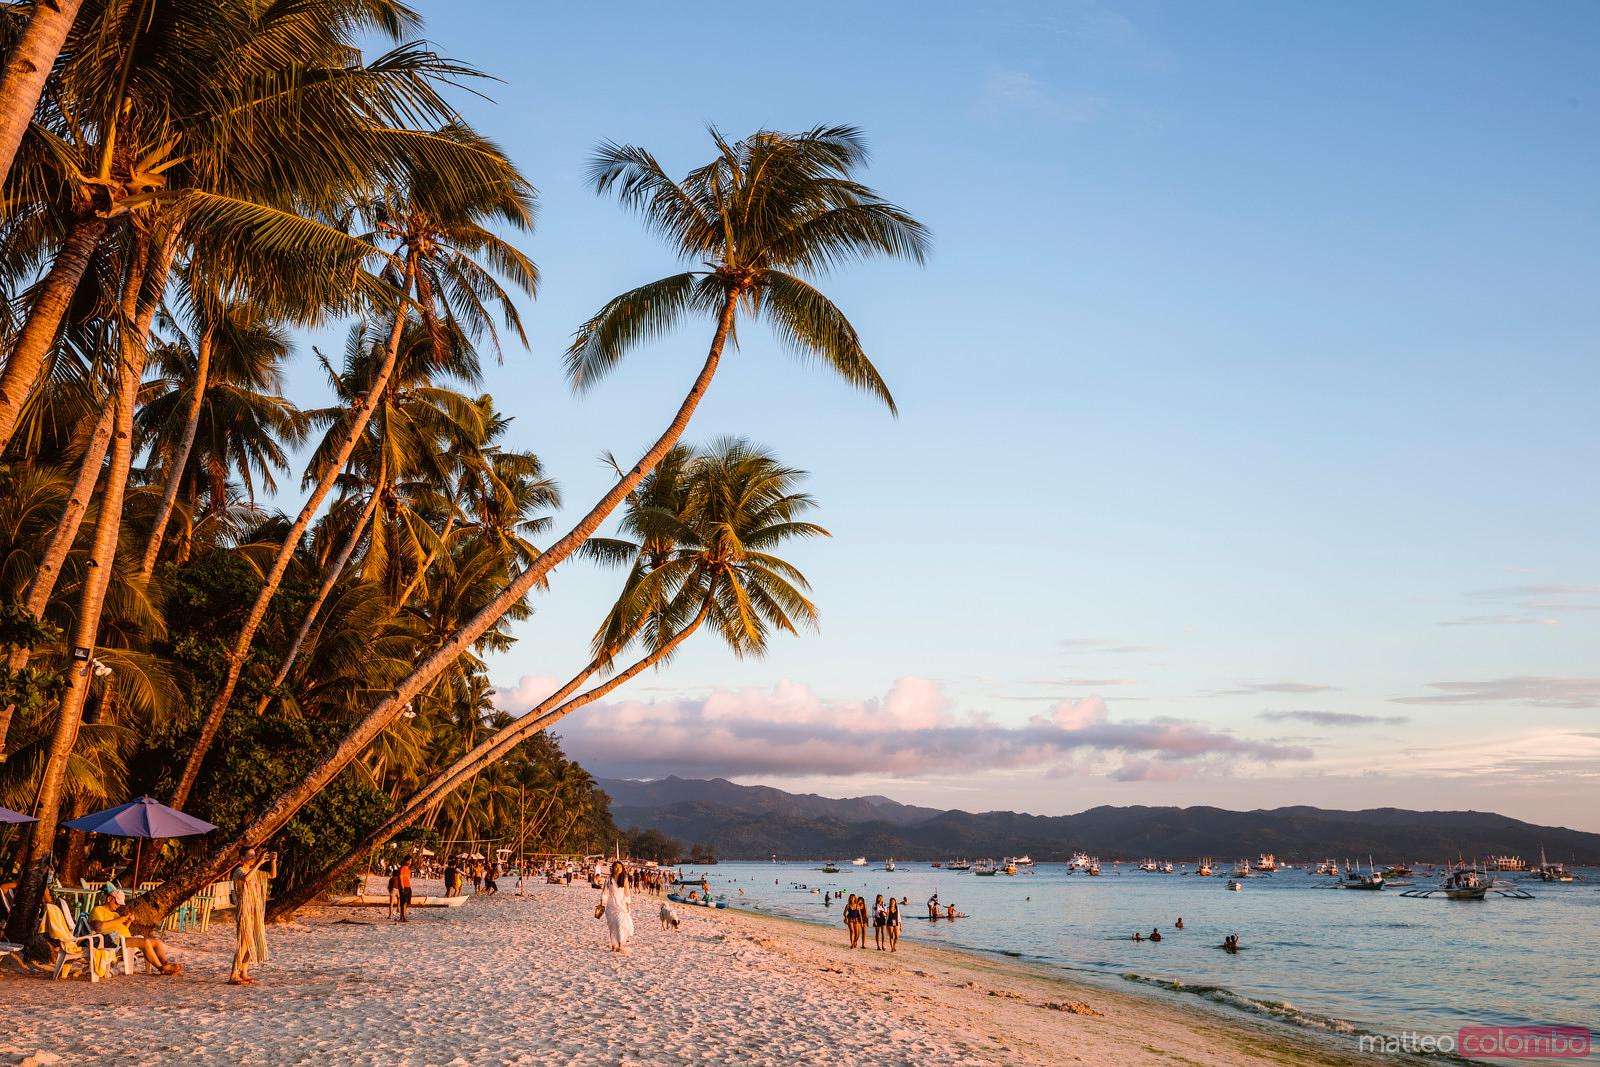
(850, 919)
(880, 923)
(619, 920)
(894, 925)
(250, 912)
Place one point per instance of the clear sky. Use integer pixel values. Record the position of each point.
(1248, 438)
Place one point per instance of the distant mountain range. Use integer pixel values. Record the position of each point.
(754, 822)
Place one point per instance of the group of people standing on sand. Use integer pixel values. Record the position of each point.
(482, 875)
(884, 918)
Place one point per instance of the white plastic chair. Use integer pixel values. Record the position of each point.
(72, 949)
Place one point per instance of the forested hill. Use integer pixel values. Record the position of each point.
(754, 822)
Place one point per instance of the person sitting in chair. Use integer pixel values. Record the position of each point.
(108, 919)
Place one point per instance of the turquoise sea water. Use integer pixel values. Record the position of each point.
(1338, 960)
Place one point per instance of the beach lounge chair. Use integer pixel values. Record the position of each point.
(10, 951)
(72, 949)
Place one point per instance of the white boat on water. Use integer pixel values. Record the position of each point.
(888, 864)
(961, 865)
(1235, 885)
(859, 861)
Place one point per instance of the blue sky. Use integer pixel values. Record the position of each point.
(1254, 373)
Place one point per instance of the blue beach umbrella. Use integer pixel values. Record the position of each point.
(142, 818)
(9, 816)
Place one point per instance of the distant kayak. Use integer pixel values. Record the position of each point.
(679, 898)
(936, 918)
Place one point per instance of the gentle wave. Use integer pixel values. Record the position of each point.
(1276, 1009)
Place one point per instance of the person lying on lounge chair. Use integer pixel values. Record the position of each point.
(108, 919)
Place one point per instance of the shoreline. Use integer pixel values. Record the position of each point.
(528, 980)
(1171, 1027)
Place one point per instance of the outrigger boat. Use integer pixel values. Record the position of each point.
(1469, 883)
(830, 868)
(985, 869)
(1204, 869)
(961, 865)
(697, 902)
(1551, 872)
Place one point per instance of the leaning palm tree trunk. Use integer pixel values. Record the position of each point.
(180, 459)
(134, 347)
(29, 69)
(27, 357)
(277, 814)
(43, 583)
(329, 580)
(280, 564)
(485, 753)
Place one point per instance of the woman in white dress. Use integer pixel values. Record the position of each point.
(616, 898)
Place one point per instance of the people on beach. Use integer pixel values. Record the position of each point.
(490, 873)
(452, 879)
(880, 924)
(108, 919)
(619, 920)
(250, 911)
(893, 925)
(403, 886)
(854, 920)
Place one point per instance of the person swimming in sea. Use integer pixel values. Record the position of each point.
(1230, 943)
(1137, 936)
(1155, 934)
(1179, 923)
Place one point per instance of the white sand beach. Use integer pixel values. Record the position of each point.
(528, 980)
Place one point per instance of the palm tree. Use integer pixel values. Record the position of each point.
(765, 207)
(713, 561)
(33, 56)
(218, 375)
(277, 124)
(434, 230)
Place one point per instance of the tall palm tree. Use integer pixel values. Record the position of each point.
(33, 56)
(434, 230)
(277, 124)
(765, 211)
(713, 561)
(218, 374)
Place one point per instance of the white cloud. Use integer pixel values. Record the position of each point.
(1536, 690)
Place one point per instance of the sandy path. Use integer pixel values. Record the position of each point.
(509, 980)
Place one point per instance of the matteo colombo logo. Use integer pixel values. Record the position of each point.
(1488, 1042)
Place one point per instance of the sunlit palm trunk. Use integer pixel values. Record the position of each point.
(280, 564)
(180, 459)
(43, 583)
(26, 360)
(28, 70)
(186, 882)
(491, 749)
(134, 348)
(329, 580)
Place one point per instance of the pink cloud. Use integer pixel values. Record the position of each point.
(529, 691)
(911, 731)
